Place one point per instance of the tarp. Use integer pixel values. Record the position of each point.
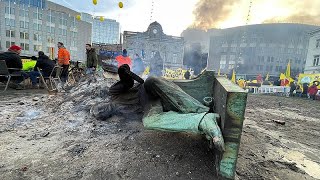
(308, 78)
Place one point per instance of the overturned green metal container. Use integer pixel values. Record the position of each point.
(227, 103)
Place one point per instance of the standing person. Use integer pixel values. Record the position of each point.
(292, 88)
(45, 64)
(298, 91)
(312, 91)
(124, 59)
(13, 60)
(92, 59)
(138, 66)
(63, 61)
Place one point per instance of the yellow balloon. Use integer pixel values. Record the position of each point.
(120, 5)
(101, 18)
(78, 17)
(95, 2)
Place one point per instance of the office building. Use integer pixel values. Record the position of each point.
(260, 49)
(105, 32)
(38, 25)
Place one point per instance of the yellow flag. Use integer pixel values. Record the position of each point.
(146, 71)
(267, 77)
(219, 72)
(291, 80)
(288, 70)
(233, 78)
(282, 76)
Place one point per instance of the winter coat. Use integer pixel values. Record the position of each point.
(124, 60)
(63, 56)
(187, 75)
(13, 60)
(45, 64)
(92, 58)
(313, 90)
(138, 66)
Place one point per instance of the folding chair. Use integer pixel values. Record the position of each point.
(4, 72)
(53, 80)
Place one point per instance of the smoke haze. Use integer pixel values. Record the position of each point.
(216, 13)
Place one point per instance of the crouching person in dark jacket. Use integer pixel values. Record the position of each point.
(45, 64)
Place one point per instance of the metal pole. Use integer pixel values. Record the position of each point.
(10, 21)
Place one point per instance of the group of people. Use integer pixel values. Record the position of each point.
(306, 90)
(46, 66)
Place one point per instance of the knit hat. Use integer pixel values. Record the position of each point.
(15, 48)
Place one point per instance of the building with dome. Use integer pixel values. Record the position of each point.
(155, 47)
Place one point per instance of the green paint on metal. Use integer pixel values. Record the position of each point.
(236, 106)
(199, 87)
(228, 85)
(230, 103)
(229, 160)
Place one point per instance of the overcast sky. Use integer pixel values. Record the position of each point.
(173, 15)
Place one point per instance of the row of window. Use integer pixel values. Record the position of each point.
(63, 19)
(36, 37)
(38, 27)
(264, 50)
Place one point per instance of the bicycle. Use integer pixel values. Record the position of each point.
(75, 73)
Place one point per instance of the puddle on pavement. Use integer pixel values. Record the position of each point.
(310, 167)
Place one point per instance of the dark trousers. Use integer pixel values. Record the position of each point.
(65, 72)
(33, 76)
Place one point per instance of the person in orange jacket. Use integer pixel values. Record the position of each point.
(124, 59)
(63, 61)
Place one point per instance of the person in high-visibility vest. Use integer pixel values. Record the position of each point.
(63, 61)
(124, 59)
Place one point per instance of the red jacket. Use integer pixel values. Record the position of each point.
(313, 90)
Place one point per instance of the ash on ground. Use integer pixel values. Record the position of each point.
(55, 137)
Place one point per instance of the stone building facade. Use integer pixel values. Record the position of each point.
(313, 55)
(38, 25)
(259, 49)
(153, 45)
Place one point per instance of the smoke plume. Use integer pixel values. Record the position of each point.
(209, 13)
